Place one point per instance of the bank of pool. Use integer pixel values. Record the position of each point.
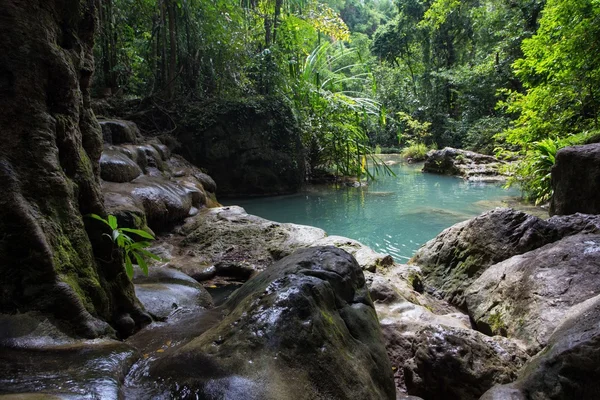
(393, 215)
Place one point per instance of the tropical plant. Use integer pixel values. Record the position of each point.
(331, 95)
(533, 172)
(127, 245)
(415, 151)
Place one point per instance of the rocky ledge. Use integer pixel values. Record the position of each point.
(504, 305)
(467, 164)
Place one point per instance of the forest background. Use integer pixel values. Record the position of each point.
(518, 78)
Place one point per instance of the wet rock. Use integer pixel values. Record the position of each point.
(468, 164)
(117, 167)
(576, 180)
(164, 203)
(526, 296)
(78, 369)
(568, 367)
(440, 357)
(309, 316)
(116, 131)
(456, 257)
(165, 290)
(230, 241)
(367, 258)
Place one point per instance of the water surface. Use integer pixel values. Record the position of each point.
(393, 215)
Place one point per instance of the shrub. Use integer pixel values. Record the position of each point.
(416, 151)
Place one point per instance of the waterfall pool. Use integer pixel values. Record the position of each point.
(393, 215)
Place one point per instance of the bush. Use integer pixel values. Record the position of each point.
(416, 151)
(533, 172)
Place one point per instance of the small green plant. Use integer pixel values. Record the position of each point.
(497, 324)
(129, 247)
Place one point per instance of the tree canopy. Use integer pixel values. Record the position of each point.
(486, 75)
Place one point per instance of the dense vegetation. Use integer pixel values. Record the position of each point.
(488, 75)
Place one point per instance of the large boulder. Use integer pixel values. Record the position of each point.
(165, 291)
(468, 164)
(576, 180)
(456, 257)
(568, 367)
(527, 296)
(248, 147)
(116, 131)
(52, 259)
(117, 167)
(303, 329)
(434, 352)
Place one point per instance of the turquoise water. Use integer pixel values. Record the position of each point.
(393, 215)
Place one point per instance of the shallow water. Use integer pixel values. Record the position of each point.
(393, 215)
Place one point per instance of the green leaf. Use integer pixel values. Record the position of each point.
(148, 254)
(112, 222)
(99, 218)
(141, 262)
(128, 266)
(139, 232)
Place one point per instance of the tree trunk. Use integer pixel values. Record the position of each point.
(172, 51)
(52, 259)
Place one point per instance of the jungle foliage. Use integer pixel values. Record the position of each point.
(486, 75)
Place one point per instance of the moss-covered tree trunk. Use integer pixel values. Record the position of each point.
(50, 144)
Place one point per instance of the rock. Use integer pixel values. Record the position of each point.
(453, 259)
(440, 357)
(49, 174)
(568, 366)
(250, 147)
(228, 241)
(116, 131)
(166, 290)
(526, 296)
(576, 180)
(366, 257)
(80, 369)
(164, 203)
(117, 167)
(468, 164)
(309, 317)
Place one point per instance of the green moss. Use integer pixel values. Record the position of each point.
(496, 323)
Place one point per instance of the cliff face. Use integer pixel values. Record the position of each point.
(49, 174)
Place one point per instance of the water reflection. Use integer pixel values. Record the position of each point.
(394, 215)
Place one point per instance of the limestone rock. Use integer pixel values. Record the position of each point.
(227, 241)
(164, 203)
(165, 290)
(440, 356)
(248, 147)
(117, 167)
(54, 260)
(453, 259)
(116, 131)
(576, 180)
(288, 332)
(69, 369)
(527, 296)
(367, 258)
(468, 164)
(568, 367)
